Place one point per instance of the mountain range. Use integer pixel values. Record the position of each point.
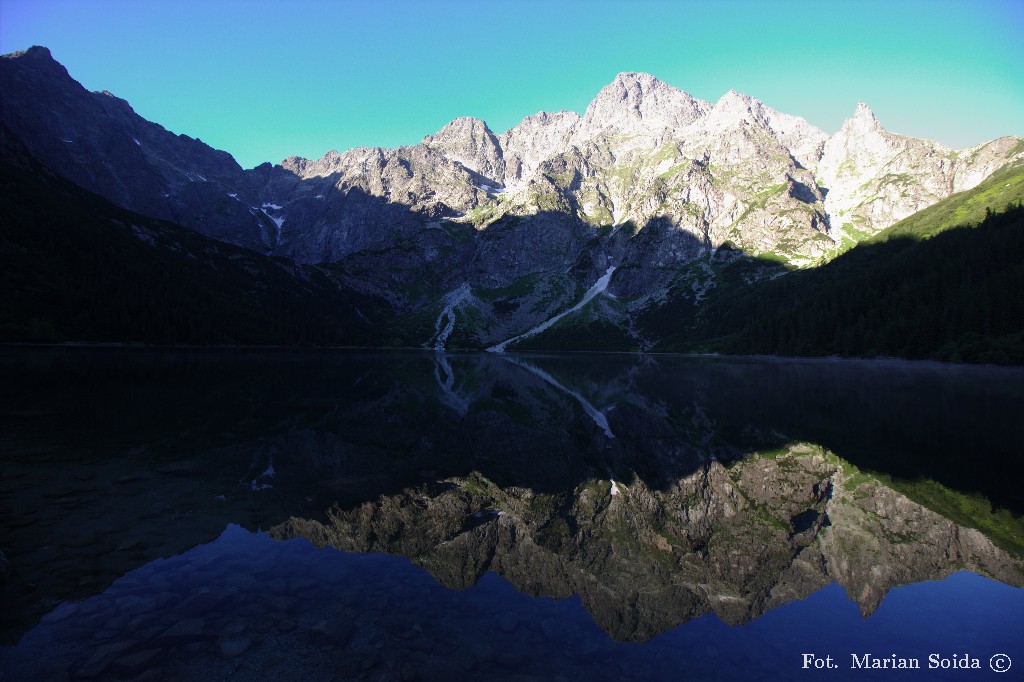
(619, 229)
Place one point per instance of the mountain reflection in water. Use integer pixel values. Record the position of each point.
(648, 491)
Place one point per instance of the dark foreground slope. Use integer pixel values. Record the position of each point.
(943, 284)
(76, 268)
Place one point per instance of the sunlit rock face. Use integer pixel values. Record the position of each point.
(876, 178)
(735, 171)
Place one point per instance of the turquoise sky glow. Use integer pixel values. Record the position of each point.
(265, 80)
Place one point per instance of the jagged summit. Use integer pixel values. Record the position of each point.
(637, 80)
(862, 122)
(470, 142)
(35, 62)
(463, 125)
(640, 98)
(732, 96)
(36, 52)
(544, 117)
(863, 110)
(734, 105)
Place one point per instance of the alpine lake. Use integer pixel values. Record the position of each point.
(319, 515)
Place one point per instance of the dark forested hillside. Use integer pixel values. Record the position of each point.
(956, 297)
(76, 268)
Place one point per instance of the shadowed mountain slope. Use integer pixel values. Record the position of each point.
(77, 268)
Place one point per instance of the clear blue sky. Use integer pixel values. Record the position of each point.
(264, 80)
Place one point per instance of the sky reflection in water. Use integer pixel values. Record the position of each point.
(245, 605)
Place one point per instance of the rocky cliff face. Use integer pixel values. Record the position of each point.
(876, 178)
(648, 180)
(735, 171)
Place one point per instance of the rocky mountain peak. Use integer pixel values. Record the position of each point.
(735, 106)
(35, 53)
(862, 141)
(634, 81)
(470, 142)
(798, 137)
(535, 139)
(863, 110)
(37, 61)
(544, 118)
(733, 99)
(308, 168)
(863, 121)
(464, 127)
(639, 100)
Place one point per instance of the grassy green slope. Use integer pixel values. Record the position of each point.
(995, 194)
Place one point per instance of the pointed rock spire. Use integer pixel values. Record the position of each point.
(863, 120)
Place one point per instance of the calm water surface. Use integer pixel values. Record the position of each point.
(201, 515)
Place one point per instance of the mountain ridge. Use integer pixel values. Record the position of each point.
(499, 233)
